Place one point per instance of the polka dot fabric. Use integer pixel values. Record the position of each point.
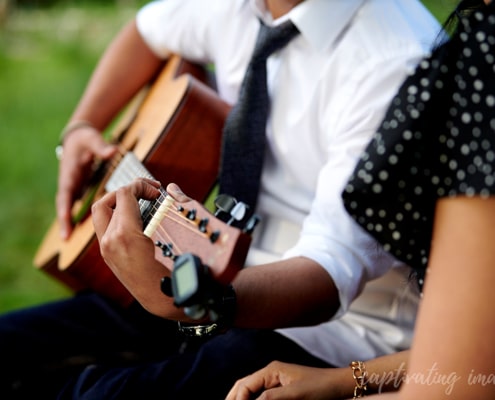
(436, 140)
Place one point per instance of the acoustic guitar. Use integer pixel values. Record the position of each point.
(172, 132)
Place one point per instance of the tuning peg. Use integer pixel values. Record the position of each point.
(238, 212)
(214, 236)
(251, 224)
(202, 225)
(191, 214)
(166, 249)
(224, 203)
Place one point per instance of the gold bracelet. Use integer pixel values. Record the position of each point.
(359, 374)
(68, 129)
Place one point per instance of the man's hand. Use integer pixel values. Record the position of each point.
(128, 252)
(124, 247)
(175, 191)
(80, 149)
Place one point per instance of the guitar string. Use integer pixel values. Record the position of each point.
(111, 166)
(128, 174)
(178, 217)
(161, 234)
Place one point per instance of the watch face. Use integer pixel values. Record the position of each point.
(185, 281)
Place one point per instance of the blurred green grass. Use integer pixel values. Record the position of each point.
(46, 57)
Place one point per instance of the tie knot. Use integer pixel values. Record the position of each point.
(270, 39)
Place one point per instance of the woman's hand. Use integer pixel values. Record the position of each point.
(290, 381)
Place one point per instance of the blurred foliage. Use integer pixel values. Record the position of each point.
(46, 57)
(440, 8)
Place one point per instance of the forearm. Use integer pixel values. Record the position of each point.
(125, 67)
(292, 292)
(383, 374)
(386, 373)
(450, 352)
(281, 380)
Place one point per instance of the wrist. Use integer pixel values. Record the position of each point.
(360, 376)
(340, 382)
(69, 128)
(73, 126)
(221, 318)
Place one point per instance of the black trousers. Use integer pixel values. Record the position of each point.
(87, 348)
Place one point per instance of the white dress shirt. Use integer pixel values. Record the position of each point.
(330, 87)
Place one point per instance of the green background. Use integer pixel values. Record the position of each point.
(46, 56)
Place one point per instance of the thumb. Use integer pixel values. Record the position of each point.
(101, 148)
(175, 191)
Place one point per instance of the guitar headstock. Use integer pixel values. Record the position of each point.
(179, 228)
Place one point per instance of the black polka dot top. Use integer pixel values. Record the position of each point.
(436, 140)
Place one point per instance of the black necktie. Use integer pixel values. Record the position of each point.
(244, 134)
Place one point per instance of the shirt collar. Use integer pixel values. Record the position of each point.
(319, 32)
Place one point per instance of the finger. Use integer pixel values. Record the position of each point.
(63, 202)
(117, 211)
(281, 393)
(239, 392)
(152, 182)
(101, 148)
(102, 213)
(68, 181)
(122, 205)
(126, 214)
(93, 142)
(127, 205)
(244, 388)
(140, 188)
(175, 191)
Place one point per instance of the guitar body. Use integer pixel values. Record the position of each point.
(175, 131)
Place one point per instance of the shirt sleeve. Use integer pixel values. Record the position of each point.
(330, 236)
(186, 27)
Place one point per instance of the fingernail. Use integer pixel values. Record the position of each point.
(176, 188)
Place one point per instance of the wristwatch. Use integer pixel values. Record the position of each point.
(193, 287)
(199, 330)
(223, 316)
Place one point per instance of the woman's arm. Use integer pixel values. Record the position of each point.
(453, 344)
(289, 381)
